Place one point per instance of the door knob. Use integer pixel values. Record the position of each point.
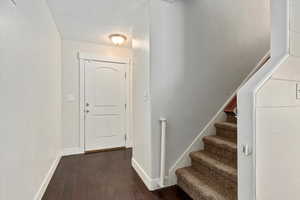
(87, 111)
(87, 104)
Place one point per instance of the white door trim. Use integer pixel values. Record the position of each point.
(83, 57)
(95, 57)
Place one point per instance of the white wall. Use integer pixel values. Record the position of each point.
(277, 134)
(246, 98)
(294, 28)
(70, 86)
(141, 94)
(279, 28)
(30, 83)
(200, 53)
(277, 125)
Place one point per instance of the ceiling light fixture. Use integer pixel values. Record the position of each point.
(117, 39)
(14, 2)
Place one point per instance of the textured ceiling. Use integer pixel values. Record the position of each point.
(94, 20)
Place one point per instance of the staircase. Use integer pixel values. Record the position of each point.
(213, 174)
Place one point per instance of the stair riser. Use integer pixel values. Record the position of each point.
(221, 154)
(228, 185)
(227, 133)
(214, 172)
(192, 193)
(231, 118)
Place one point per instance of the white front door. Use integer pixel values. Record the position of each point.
(104, 105)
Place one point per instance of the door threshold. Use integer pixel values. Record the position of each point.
(105, 150)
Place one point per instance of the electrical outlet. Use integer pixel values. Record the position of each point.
(297, 91)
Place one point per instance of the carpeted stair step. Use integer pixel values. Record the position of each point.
(213, 165)
(231, 117)
(218, 171)
(213, 174)
(200, 186)
(222, 149)
(227, 130)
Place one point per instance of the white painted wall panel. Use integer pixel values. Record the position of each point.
(277, 135)
(278, 93)
(30, 103)
(278, 146)
(289, 70)
(247, 94)
(295, 43)
(295, 27)
(142, 153)
(295, 15)
(279, 28)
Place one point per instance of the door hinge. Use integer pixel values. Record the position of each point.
(125, 137)
(125, 106)
(125, 75)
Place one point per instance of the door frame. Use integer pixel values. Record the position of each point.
(88, 57)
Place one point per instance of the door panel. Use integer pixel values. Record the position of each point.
(104, 105)
(107, 92)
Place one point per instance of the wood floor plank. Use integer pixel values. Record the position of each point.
(103, 176)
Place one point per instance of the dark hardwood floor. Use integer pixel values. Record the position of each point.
(103, 176)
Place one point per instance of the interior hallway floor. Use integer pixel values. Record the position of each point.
(103, 176)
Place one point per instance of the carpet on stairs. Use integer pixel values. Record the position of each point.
(213, 173)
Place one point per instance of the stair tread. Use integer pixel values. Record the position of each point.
(221, 142)
(218, 166)
(202, 186)
(226, 125)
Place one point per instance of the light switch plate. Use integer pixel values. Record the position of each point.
(69, 98)
(146, 96)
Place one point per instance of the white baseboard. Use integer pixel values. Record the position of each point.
(72, 151)
(152, 184)
(129, 144)
(47, 178)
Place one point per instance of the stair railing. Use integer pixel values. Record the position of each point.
(163, 125)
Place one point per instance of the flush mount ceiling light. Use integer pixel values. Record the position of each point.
(117, 39)
(14, 2)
